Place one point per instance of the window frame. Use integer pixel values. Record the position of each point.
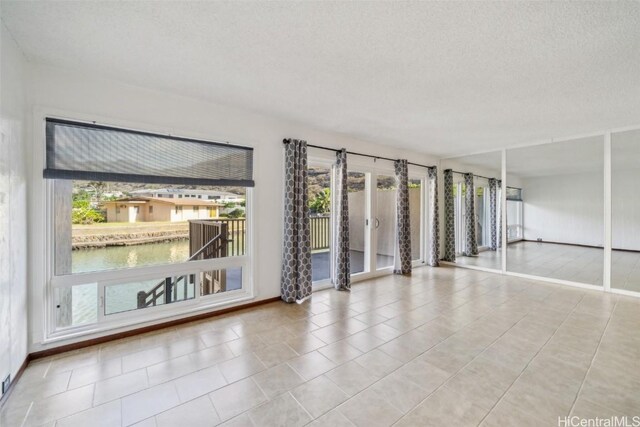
(44, 269)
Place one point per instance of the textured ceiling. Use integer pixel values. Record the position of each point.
(444, 78)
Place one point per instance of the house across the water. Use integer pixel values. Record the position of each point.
(147, 209)
(186, 193)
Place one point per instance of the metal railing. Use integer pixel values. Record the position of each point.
(218, 238)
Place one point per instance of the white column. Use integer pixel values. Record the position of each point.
(503, 211)
(606, 280)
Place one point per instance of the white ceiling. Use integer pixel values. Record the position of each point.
(444, 78)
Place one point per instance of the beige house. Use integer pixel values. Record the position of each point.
(147, 209)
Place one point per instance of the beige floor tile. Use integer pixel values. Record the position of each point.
(218, 337)
(241, 367)
(423, 374)
(319, 396)
(107, 415)
(505, 414)
(199, 383)
(305, 343)
(400, 393)
(612, 389)
(586, 409)
(170, 369)
(275, 354)
(211, 356)
(351, 377)
(144, 358)
(340, 352)
(378, 362)
(444, 408)
(332, 419)
(147, 403)
(241, 420)
(443, 346)
(311, 365)
(93, 373)
(122, 385)
(369, 409)
(60, 405)
(198, 412)
(236, 398)
(283, 411)
(277, 380)
(364, 341)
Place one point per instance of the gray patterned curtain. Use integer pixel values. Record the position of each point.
(493, 216)
(434, 216)
(402, 252)
(342, 262)
(449, 219)
(471, 242)
(295, 283)
(499, 213)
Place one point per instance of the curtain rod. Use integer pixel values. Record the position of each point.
(480, 176)
(286, 141)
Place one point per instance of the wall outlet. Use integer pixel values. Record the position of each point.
(5, 384)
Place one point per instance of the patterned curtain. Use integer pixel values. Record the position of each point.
(499, 210)
(342, 262)
(434, 216)
(493, 216)
(449, 219)
(295, 283)
(402, 252)
(471, 242)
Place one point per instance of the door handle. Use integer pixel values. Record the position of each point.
(377, 223)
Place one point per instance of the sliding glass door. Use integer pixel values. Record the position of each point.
(372, 199)
(359, 221)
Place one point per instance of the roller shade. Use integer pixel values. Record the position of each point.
(100, 153)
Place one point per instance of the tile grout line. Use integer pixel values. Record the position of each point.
(584, 379)
(464, 366)
(419, 355)
(501, 398)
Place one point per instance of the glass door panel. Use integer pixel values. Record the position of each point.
(358, 203)
(416, 215)
(384, 218)
(320, 221)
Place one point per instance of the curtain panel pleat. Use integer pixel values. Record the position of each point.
(402, 252)
(296, 279)
(493, 213)
(499, 214)
(342, 261)
(471, 242)
(434, 218)
(449, 219)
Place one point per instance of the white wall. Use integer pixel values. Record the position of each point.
(565, 208)
(83, 97)
(13, 209)
(625, 208)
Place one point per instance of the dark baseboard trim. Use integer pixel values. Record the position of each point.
(562, 243)
(577, 244)
(101, 340)
(14, 381)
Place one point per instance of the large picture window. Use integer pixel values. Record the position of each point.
(144, 235)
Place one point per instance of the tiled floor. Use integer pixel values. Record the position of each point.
(447, 346)
(566, 262)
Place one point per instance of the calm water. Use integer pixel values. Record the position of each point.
(85, 260)
(121, 297)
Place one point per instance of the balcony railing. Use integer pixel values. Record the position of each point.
(218, 238)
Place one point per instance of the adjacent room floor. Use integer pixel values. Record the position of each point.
(447, 346)
(566, 262)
